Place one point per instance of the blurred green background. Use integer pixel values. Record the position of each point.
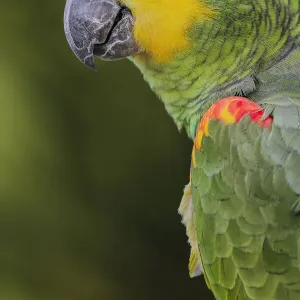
(92, 171)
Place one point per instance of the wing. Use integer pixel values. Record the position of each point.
(245, 180)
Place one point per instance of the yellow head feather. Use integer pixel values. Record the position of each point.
(161, 25)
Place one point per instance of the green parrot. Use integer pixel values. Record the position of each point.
(228, 71)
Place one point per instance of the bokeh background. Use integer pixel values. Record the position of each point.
(91, 173)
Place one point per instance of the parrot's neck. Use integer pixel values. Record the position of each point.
(222, 62)
(187, 91)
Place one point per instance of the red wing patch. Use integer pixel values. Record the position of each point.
(229, 111)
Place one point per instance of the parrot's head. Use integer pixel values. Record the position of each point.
(192, 52)
(112, 29)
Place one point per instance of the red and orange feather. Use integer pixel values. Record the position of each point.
(229, 111)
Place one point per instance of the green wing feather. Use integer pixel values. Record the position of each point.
(246, 212)
(246, 197)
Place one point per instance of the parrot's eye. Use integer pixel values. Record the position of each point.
(103, 28)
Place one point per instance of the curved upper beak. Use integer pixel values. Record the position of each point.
(99, 27)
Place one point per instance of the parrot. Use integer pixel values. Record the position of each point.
(228, 72)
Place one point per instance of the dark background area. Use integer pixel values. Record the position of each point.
(92, 171)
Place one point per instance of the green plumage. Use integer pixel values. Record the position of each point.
(255, 252)
(245, 208)
(242, 207)
(254, 195)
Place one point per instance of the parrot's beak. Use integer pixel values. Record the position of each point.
(102, 28)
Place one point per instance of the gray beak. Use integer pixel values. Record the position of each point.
(99, 27)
